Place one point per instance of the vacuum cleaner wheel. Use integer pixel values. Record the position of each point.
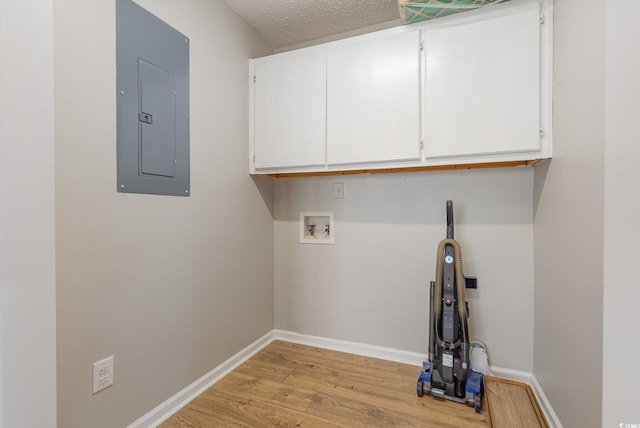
(477, 403)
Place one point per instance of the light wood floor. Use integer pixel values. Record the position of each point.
(290, 385)
(512, 404)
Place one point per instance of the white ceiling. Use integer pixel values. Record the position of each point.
(289, 22)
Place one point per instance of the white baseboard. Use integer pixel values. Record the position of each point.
(510, 374)
(373, 351)
(551, 416)
(165, 410)
(162, 412)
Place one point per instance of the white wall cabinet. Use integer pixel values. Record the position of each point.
(373, 99)
(473, 88)
(289, 106)
(483, 86)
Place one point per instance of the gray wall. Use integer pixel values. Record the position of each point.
(372, 285)
(27, 227)
(621, 225)
(170, 286)
(568, 222)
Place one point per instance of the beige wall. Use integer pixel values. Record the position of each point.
(621, 221)
(568, 222)
(170, 286)
(372, 285)
(27, 228)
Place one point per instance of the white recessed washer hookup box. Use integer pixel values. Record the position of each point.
(316, 227)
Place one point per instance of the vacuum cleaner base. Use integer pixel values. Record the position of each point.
(474, 387)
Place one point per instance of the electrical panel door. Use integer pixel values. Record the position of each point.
(153, 103)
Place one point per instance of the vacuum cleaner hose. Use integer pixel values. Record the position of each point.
(460, 288)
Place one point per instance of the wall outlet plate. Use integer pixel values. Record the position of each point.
(102, 374)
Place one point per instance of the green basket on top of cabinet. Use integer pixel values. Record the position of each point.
(416, 11)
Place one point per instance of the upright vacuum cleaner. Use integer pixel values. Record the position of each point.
(447, 373)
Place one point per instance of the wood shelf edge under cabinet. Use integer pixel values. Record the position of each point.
(483, 165)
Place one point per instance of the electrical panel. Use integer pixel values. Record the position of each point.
(152, 62)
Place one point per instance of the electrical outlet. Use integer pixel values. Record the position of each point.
(102, 374)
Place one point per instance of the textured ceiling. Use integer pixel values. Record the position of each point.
(288, 22)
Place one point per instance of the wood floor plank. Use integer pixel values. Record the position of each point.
(231, 410)
(335, 373)
(287, 384)
(512, 404)
(338, 404)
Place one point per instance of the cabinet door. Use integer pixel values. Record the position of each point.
(483, 86)
(289, 110)
(373, 99)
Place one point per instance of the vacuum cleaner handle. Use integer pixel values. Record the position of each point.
(450, 220)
